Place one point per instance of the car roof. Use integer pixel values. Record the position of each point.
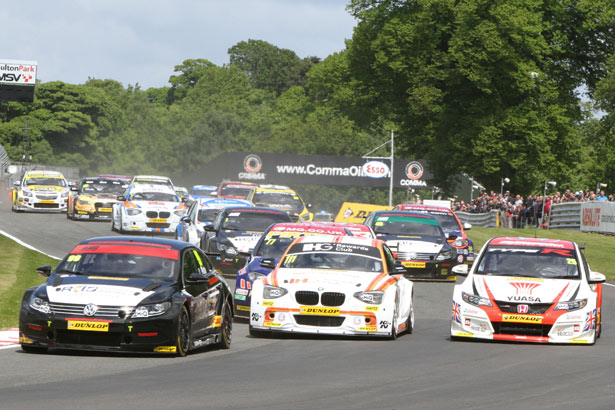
(254, 209)
(140, 240)
(35, 173)
(531, 242)
(427, 208)
(222, 203)
(404, 213)
(152, 188)
(238, 183)
(309, 227)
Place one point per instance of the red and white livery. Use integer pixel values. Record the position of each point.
(528, 290)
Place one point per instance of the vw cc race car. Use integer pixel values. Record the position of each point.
(147, 208)
(133, 294)
(335, 285)
(40, 191)
(93, 199)
(529, 290)
(418, 241)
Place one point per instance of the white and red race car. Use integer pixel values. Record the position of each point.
(334, 285)
(528, 290)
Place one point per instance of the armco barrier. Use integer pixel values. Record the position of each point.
(566, 216)
(486, 220)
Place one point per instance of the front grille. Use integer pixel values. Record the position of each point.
(521, 329)
(69, 309)
(322, 321)
(102, 205)
(157, 225)
(47, 206)
(306, 297)
(46, 197)
(164, 214)
(332, 299)
(534, 308)
(418, 257)
(79, 337)
(152, 214)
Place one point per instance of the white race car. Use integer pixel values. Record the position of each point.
(40, 191)
(529, 290)
(147, 208)
(335, 285)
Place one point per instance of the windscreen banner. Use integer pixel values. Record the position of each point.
(267, 168)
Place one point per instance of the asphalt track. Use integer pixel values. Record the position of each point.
(424, 370)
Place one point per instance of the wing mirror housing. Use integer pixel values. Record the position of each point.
(596, 277)
(399, 268)
(461, 270)
(467, 226)
(44, 270)
(268, 263)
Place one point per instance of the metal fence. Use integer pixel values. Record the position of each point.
(487, 220)
(566, 216)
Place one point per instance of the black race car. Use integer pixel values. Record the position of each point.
(235, 232)
(133, 294)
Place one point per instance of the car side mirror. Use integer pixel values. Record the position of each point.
(209, 228)
(16, 184)
(197, 277)
(121, 198)
(451, 236)
(461, 270)
(214, 194)
(268, 263)
(74, 188)
(467, 226)
(186, 219)
(596, 277)
(44, 270)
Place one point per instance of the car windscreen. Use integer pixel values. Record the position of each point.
(252, 221)
(110, 188)
(286, 202)
(235, 192)
(45, 181)
(406, 225)
(153, 196)
(200, 192)
(337, 256)
(208, 215)
(448, 222)
(121, 261)
(547, 263)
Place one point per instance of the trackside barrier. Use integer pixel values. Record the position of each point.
(598, 216)
(486, 220)
(566, 216)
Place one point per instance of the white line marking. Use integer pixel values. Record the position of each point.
(22, 243)
(610, 284)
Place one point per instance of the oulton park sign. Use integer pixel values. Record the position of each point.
(268, 168)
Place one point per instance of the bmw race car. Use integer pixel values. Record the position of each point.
(234, 234)
(201, 213)
(93, 198)
(151, 180)
(529, 290)
(334, 285)
(147, 208)
(134, 294)
(418, 241)
(40, 191)
(452, 227)
(268, 251)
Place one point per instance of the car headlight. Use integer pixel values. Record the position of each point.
(460, 243)
(475, 300)
(65, 194)
(82, 202)
(372, 297)
(133, 211)
(305, 217)
(155, 309)
(27, 193)
(40, 304)
(273, 292)
(255, 275)
(571, 305)
(180, 212)
(445, 254)
(228, 249)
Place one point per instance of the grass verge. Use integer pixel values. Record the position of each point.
(598, 248)
(17, 273)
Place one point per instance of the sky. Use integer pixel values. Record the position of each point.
(141, 41)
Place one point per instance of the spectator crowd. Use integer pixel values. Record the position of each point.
(519, 212)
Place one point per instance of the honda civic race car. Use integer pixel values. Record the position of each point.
(147, 208)
(452, 227)
(93, 198)
(234, 234)
(335, 285)
(202, 212)
(283, 198)
(418, 242)
(268, 251)
(529, 290)
(40, 191)
(133, 294)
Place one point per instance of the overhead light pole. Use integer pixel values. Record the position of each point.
(391, 158)
(502, 182)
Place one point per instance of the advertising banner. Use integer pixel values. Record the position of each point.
(267, 168)
(17, 80)
(353, 212)
(598, 216)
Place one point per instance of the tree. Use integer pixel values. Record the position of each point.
(191, 71)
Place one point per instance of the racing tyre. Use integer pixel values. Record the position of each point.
(410, 322)
(226, 328)
(183, 333)
(33, 349)
(394, 326)
(599, 326)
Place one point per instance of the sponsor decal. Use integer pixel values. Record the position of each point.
(372, 308)
(578, 341)
(368, 329)
(523, 299)
(414, 170)
(272, 324)
(165, 349)
(90, 309)
(25, 340)
(524, 288)
(564, 333)
(591, 217)
(590, 320)
(240, 297)
(267, 303)
(243, 308)
(87, 325)
(523, 308)
(217, 320)
(375, 169)
(521, 318)
(414, 264)
(252, 163)
(317, 310)
(456, 316)
(463, 334)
